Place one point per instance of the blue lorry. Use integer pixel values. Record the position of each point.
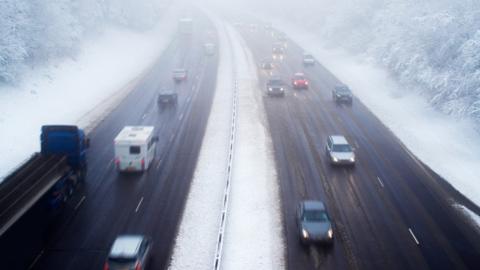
(50, 175)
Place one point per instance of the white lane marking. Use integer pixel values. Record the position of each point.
(144, 116)
(413, 236)
(159, 163)
(294, 94)
(138, 205)
(110, 163)
(380, 181)
(193, 87)
(180, 117)
(36, 259)
(80, 202)
(171, 137)
(315, 256)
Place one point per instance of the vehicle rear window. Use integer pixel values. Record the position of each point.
(134, 150)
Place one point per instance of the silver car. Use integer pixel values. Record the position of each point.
(128, 252)
(339, 151)
(313, 223)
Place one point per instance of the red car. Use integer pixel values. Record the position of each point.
(299, 81)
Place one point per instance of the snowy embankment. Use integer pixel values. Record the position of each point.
(76, 91)
(252, 236)
(448, 146)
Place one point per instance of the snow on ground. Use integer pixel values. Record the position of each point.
(449, 146)
(253, 238)
(66, 91)
(196, 240)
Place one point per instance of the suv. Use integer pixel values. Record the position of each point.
(278, 48)
(342, 93)
(339, 150)
(308, 60)
(275, 86)
(313, 223)
(299, 81)
(180, 74)
(128, 252)
(167, 96)
(267, 64)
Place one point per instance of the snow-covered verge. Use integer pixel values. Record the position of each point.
(252, 238)
(471, 215)
(429, 46)
(195, 244)
(449, 146)
(67, 90)
(253, 234)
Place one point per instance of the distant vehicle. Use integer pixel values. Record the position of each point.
(339, 151)
(180, 74)
(129, 252)
(267, 26)
(299, 81)
(253, 27)
(135, 148)
(342, 93)
(278, 48)
(281, 36)
(308, 60)
(185, 26)
(51, 175)
(167, 97)
(267, 64)
(209, 48)
(275, 86)
(313, 223)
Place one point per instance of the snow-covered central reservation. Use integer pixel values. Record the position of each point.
(425, 120)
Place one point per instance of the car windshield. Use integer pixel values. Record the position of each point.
(275, 81)
(299, 77)
(308, 56)
(315, 215)
(342, 148)
(343, 90)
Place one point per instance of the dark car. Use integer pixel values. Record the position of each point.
(342, 93)
(167, 97)
(267, 64)
(313, 223)
(275, 86)
(180, 74)
(128, 252)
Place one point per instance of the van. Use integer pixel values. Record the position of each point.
(135, 148)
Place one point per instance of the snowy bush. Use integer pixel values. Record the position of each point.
(34, 31)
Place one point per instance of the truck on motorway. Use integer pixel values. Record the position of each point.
(185, 26)
(51, 174)
(135, 148)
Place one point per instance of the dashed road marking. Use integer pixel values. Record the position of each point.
(144, 116)
(413, 236)
(180, 117)
(159, 163)
(36, 259)
(80, 202)
(138, 205)
(110, 163)
(315, 256)
(380, 181)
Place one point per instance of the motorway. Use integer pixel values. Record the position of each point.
(390, 211)
(110, 203)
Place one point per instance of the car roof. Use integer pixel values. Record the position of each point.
(313, 205)
(179, 70)
(342, 87)
(126, 246)
(338, 139)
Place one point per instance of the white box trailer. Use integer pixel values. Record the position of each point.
(135, 148)
(185, 26)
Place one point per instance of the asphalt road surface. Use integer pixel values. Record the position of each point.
(110, 203)
(390, 211)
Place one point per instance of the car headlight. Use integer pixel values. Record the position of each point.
(270, 89)
(352, 159)
(330, 233)
(281, 88)
(305, 234)
(335, 159)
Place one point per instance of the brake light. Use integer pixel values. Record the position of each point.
(105, 266)
(143, 163)
(138, 266)
(117, 161)
(306, 82)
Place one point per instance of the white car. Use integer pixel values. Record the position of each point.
(308, 59)
(129, 252)
(339, 151)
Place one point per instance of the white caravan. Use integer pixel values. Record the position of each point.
(135, 148)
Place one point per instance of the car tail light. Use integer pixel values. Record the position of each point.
(138, 266)
(117, 161)
(143, 163)
(295, 82)
(105, 266)
(306, 82)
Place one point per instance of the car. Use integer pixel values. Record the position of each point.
(129, 252)
(313, 223)
(281, 36)
(167, 97)
(299, 81)
(180, 74)
(267, 64)
(308, 59)
(341, 93)
(339, 151)
(275, 86)
(209, 48)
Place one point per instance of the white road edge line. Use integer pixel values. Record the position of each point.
(80, 202)
(110, 163)
(138, 206)
(380, 181)
(413, 236)
(36, 259)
